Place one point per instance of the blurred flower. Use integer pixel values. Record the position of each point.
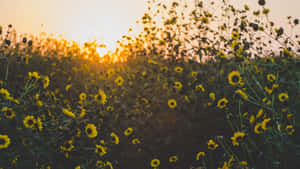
(200, 154)
(283, 97)
(222, 103)
(128, 131)
(173, 159)
(155, 163)
(289, 129)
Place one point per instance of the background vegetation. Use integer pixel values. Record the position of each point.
(195, 89)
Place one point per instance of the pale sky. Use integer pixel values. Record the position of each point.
(83, 20)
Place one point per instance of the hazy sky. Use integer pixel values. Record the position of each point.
(85, 19)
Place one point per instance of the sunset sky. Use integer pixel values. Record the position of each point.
(83, 20)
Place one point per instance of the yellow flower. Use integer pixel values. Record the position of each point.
(82, 96)
(289, 129)
(172, 103)
(8, 112)
(46, 81)
(155, 163)
(271, 77)
(4, 141)
(242, 94)
(177, 85)
(221, 54)
(259, 113)
(34, 75)
(283, 97)
(258, 128)
(199, 155)
(101, 97)
(234, 78)
(173, 159)
(136, 141)
(115, 138)
(110, 108)
(40, 124)
(5, 92)
(68, 113)
(91, 131)
(200, 87)
(82, 113)
(128, 131)
(29, 121)
(119, 81)
(212, 145)
(164, 69)
(100, 150)
(178, 69)
(252, 119)
(222, 103)
(77, 167)
(68, 87)
(152, 61)
(212, 96)
(265, 124)
(237, 138)
(67, 146)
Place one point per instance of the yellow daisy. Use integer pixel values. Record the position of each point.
(172, 103)
(91, 131)
(29, 121)
(4, 141)
(234, 78)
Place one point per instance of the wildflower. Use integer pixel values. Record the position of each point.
(164, 69)
(212, 145)
(252, 119)
(212, 96)
(258, 128)
(271, 77)
(242, 94)
(4, 141)
(8, 112)
(269, 91)
(221, 54)
(136, 141)
(115, 138)
(119, 81)
(178, 69)
(173, 159)
(5, 92)
(91, 131)
(235, 35)
(177, 85)
(222, 103)
(237, 138)
(68, 87)
(128, 131)
(289, 129)
(100, 150)
(265, 124)
(155, 163)
(68, 113)
(199, 155)
(246, 7)
(283, 97)
(266, 11)
(40, 124)
(29, 121)
(234, 78)
(152, 61)
(82, 96)
(101, 97)
(77, 167)
(67, 146)
(34, 75)
(200, 87)
(110, 108)
(172, 103)
(82, 113)
(46, 81)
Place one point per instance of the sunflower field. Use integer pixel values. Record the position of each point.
(198, 90)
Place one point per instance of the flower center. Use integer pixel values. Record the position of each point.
(89, 131)
(2, 141)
